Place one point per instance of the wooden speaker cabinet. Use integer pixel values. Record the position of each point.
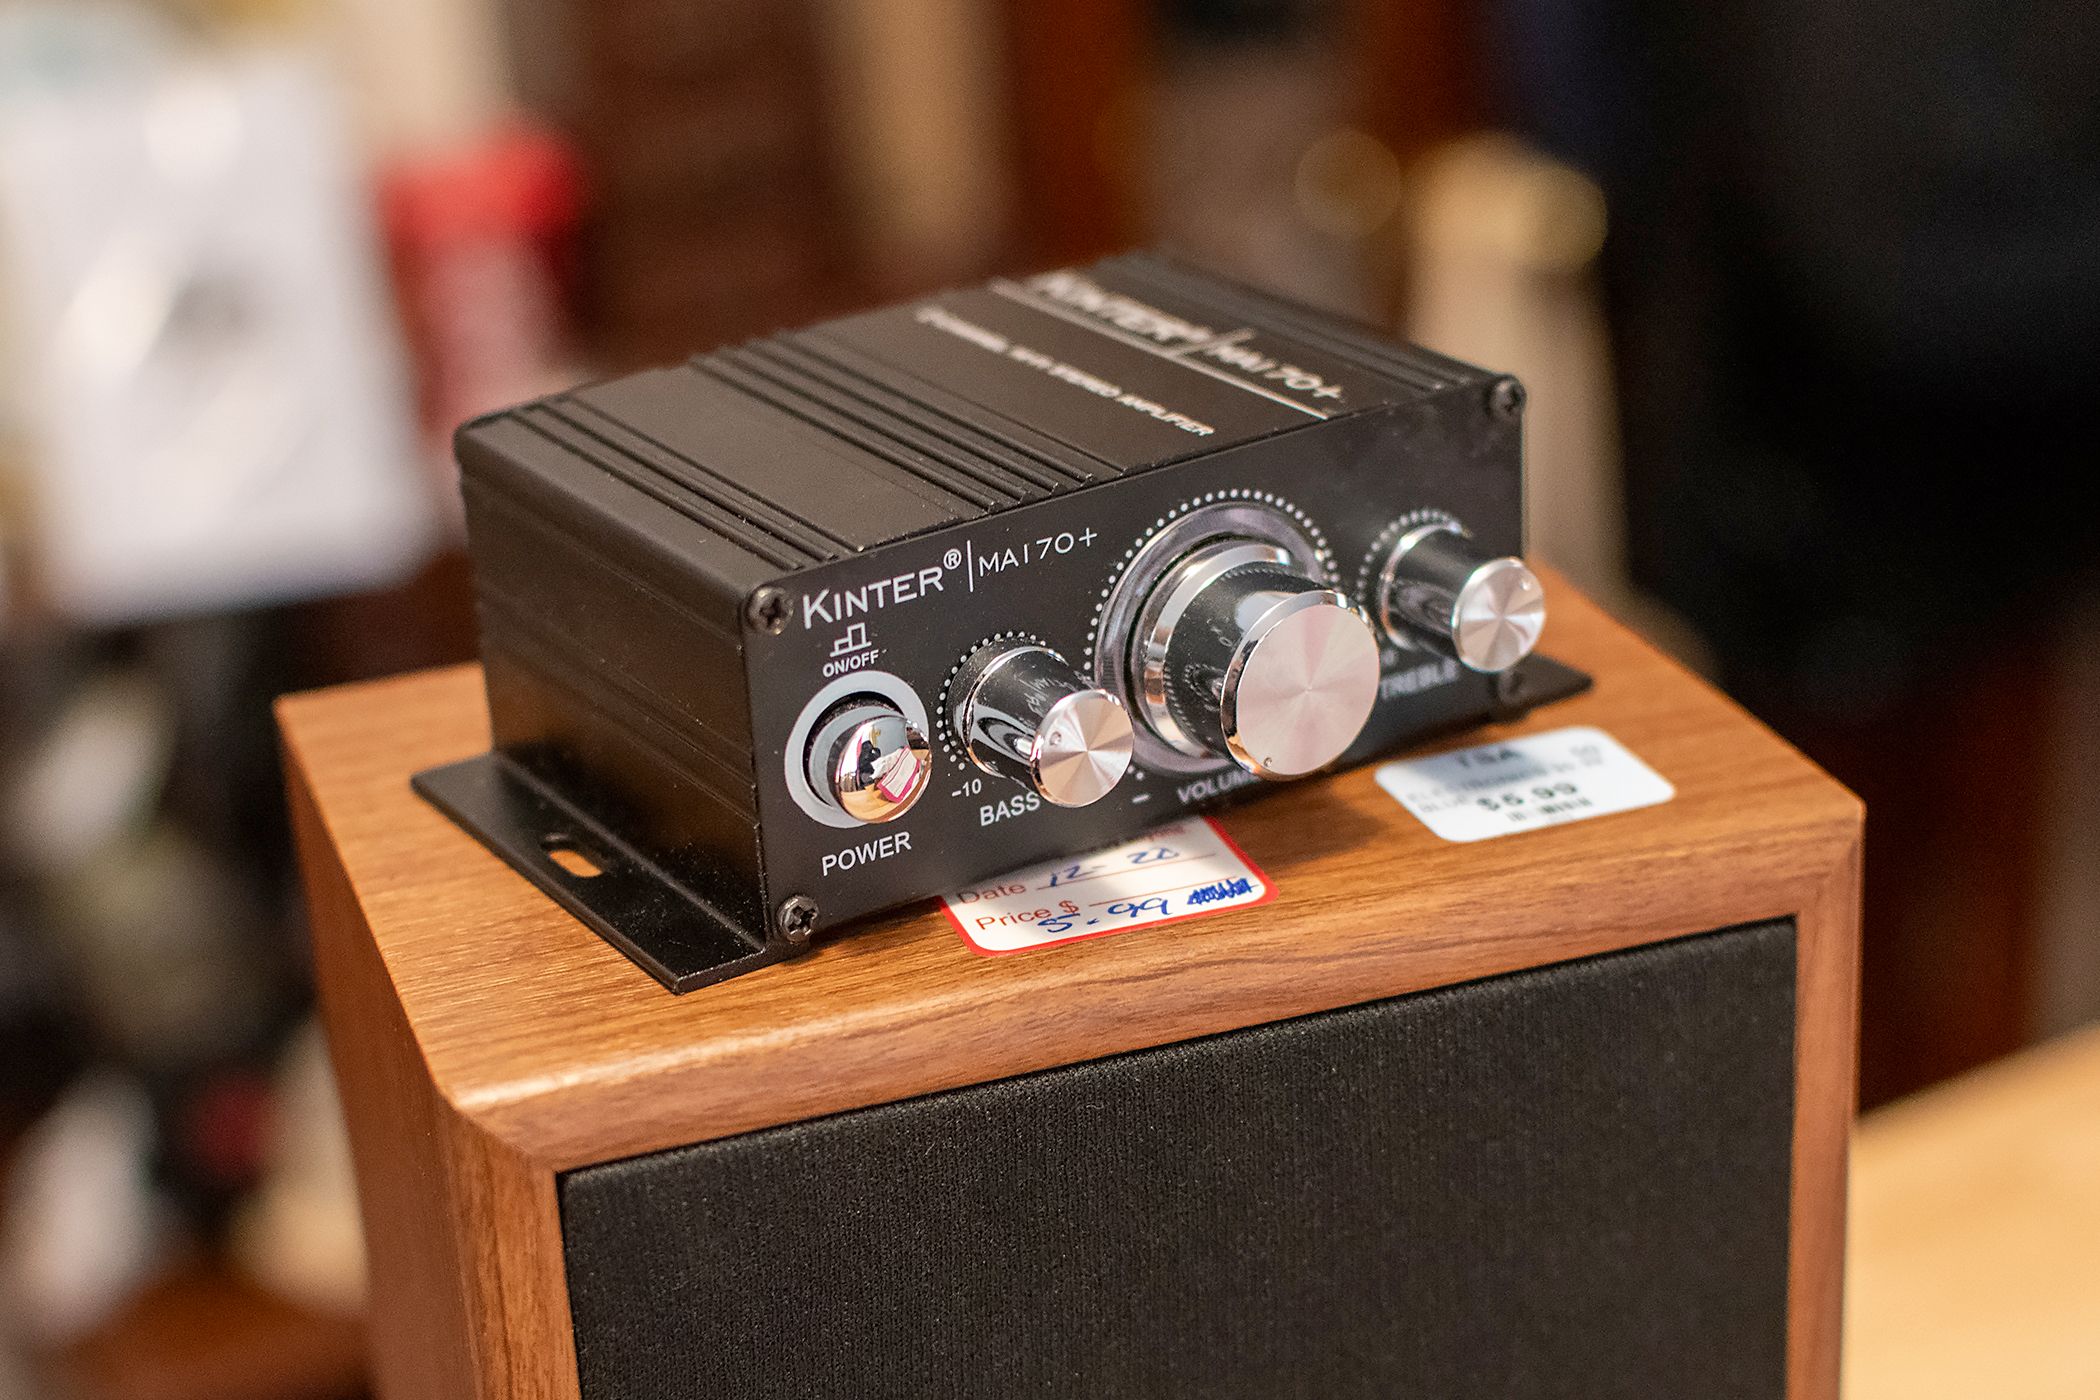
(1562, 1113)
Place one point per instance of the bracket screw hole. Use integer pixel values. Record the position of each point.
(572, 858)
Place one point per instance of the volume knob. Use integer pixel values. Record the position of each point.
(1441, 590)
(1024, 714)
(1240, 655)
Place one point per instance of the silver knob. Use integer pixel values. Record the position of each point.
(1024, 714)
(1239, 655)
(1441, 590)
(867, 760)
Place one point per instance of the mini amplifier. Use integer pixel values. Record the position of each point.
(814, 626)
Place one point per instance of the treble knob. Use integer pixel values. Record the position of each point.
(1240, 655)
(1441, 590)
(1023, 713)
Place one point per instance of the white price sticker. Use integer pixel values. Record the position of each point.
(1523, 784)
(1177, 872)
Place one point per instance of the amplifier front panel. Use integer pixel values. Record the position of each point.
(1044, 573)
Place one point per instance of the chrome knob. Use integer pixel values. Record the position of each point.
(1240, 655)
(1441, 590)
(868, 760)
(1024, 714)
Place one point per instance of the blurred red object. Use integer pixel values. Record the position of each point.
(224, 1127)
(482, 241)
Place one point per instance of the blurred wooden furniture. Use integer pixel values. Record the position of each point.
(205, 1333)
(1078, 119)
(717, 211)
(1965, 777)
(1975, 1265)
(719, 150)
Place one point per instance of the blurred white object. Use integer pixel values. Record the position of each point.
(206, 376)
(300, 1234)
(160, 937)
(83, 1228)
(94, 773)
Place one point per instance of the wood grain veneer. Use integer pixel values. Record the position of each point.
(487, 1041)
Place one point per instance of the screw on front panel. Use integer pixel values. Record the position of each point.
(1505, 398)
(767, 610)
(796, 919)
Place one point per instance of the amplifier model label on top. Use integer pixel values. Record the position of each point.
(1187, 868)
(1132, 374)
(1524, 784)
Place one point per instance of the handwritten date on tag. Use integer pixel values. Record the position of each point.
(1181, 870)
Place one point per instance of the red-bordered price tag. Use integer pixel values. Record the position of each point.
(1180, 871)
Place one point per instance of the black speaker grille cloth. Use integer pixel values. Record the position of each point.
(1570, 1181)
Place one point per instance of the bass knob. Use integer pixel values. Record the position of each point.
(1023, 713)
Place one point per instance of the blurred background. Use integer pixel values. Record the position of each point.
(1807, 299)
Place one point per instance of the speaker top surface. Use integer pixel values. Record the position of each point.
(547, 1038)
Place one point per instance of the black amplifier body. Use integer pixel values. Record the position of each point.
(707, 592)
